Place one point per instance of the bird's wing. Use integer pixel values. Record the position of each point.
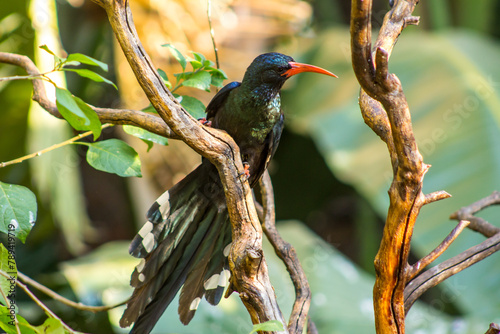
(219, 98)
(272, 141)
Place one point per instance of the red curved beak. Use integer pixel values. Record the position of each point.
(299, 68)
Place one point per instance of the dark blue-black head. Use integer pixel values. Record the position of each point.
(272, 69)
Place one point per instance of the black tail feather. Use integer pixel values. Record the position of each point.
(183, 242)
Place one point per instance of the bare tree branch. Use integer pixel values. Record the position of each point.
(395, 128)
(287, 254)
(430, 278)
(450, 267)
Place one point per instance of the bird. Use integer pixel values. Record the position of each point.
(187, 237)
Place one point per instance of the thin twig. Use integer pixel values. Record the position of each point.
(420, 265)
(38, 302)
(436, 196)
(50, 148)
(54, 295)
(478, 224)
(212, 33)
(287, 254)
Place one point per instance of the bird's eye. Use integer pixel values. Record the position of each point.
(282, 69)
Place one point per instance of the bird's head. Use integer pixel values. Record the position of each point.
(273, 69)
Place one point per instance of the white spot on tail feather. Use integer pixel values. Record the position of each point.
(194, 304)
(141, 265)
(149, 242)
(164, 202)
(141, 277)
(227, 249)
(224, 277)
(146, 229)
(212, 282)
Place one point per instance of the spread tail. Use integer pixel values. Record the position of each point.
(185, 241)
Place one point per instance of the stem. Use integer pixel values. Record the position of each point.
(50, 148)
(212, 33)
(58, 297)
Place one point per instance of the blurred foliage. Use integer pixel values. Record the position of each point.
(331, 171)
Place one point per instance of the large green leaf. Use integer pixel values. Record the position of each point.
(18, 210)
(86, 73)
(450, 82)
(114, 156)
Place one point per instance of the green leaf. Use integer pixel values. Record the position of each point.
(218, 77)
(184, 75)
(148, 137)
(46, 48)
(177, 55)
(199, 57)
(57, 60)
(86, 73)
(193, 106)
(164, 76)
(114, 156)
(18, 210)
(84, 59)
(150, 109)
(200, 80)
(8, 266)
(78, 114)
(268, 326)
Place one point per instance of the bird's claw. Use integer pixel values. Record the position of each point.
(246, 170)
(205, 122)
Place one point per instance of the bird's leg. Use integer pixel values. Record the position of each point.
(246, 170)
(204, 121)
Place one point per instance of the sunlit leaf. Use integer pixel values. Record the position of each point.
(86, 73)
(114, 156)
(148, 137)
(200, 80)
(78, 114)
(193, 106)
(18, 209)
(164, 76)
